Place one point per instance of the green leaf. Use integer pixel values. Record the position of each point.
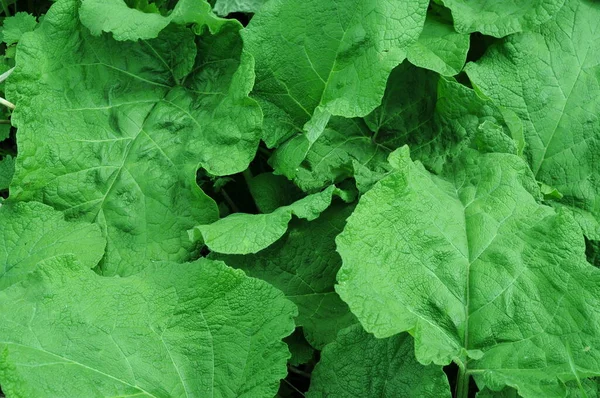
(349, 143)
(301, 351)
(271, 191)
(438, 120)
(477, 270)
(33, 232)
(303, 265)
(127, 23)
(592, 252)
(549, 78)
(7, 169)
(358, 365)
(4, 131)
(500, 19)
(330, 158)
(439, 48)
(226, 7)
(588, 388)
(16, 26)
(197, 329)
(315, 59)
(505, 393)
(128, 131)
(241, 233)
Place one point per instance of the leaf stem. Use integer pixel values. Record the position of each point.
(230, 202)
(294, 387)
(247, 176)
(6, 103)
(299, 372)
(462, 382)
(6, 74)
(5, 8)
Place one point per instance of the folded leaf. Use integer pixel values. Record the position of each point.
(303, 265)
(174, 330)
(130, 124)
(438, 121)
(329, 159)
(478, 271)
(225, 7)
(359, 365)
(127, 23)
(241, 233)
(500, 19)
(33, 232)
(439, 48)
(549, 78)
(315, 59)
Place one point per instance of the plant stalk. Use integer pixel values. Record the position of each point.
(5, 8)
(462, 383)
(247, 174)
(6, 103)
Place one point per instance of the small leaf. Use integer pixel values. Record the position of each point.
(16, 26)
(241, 233)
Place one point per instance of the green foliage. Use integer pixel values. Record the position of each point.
(249, 198)
(152, 334)
(359, 365)
(15, 26)
(549, 78)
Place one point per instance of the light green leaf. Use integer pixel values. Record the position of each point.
(127, 23)
(241, 233)
(33, 232)
(16, 26)
(358, 365)
(303, 265)
(501, 18)
(128, 132)
(315, 58)
(7, 169)
(478, 271)
(549, 78)
(174, 330)
(439, 48)
(588, 388)
(226, 7)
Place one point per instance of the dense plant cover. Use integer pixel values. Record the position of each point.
(251, 198)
